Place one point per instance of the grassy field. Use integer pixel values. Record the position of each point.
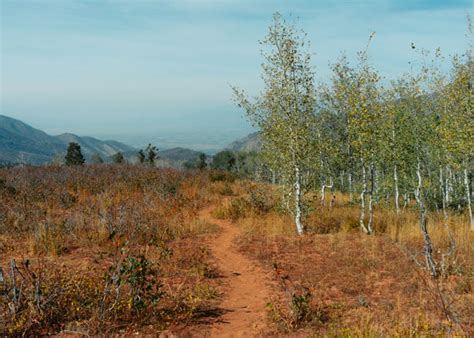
(121, 249)
(337, 281)
(103, 249)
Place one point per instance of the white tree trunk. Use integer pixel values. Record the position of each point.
(448, 184)
(397, 193)
(452, 246)
(298, 212)
(362, 200)
(287, 202)
(443, 195)
(333, 192)
(374, 185)
(418, 187)
(323, 190)
(323, 193)
(405, 200)
(468, 196)
(428, 246)
(371, 199)
(351, 196)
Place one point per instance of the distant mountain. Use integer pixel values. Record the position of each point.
(250, 143)
(91, 146)
(179, 154)
(22, 143)
(176, 157)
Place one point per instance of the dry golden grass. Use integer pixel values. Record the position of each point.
(103, 249)
(121, 249)
(338, 281)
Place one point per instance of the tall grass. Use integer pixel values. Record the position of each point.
(336, 280)
(103, 249)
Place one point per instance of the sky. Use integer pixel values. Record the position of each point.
(160, 71)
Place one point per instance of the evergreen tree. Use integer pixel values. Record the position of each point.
(224, 160)
(118, 158)
(152, 154)
(202, 164)
(74, 155)
(141, 156)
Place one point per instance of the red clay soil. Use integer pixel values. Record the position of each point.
(246, 285)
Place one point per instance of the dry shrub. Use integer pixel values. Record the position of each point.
(45, 299)
(222, 176)
(110, 248)
(94, 204)
(350, 284)
(299, 311)
(49, 239)
(325, 221)
(237, 208)
(129, 290)
(262, 199)
(259, 200)
(342, 282)
(222, 188)
(268, 226)
(200, 227)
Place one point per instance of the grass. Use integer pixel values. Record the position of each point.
(337, 281)
(121, 249)
(103, 249)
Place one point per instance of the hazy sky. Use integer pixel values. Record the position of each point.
(160, 70)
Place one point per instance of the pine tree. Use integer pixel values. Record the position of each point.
(201, 165)
(152, 154)
(118, 158)
(141, 156)
(74, 155)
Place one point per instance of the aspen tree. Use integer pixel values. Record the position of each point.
(284, 111)
(456, 128)
(335, 99)
(365, 117)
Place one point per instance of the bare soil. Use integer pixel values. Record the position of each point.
(246, 286)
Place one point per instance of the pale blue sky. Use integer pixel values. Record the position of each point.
(160, 71)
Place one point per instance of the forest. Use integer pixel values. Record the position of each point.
(354, 219)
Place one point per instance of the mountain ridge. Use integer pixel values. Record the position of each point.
(22, 143)
(250, 143)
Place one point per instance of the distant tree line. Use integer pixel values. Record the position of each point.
(199, 163)
(74, 156)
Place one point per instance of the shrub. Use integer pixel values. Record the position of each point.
(81, 214)
(221, 176)
(261, 199)
(298, 312)
(138, 276)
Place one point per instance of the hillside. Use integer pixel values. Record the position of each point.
(249, 143)
(90, 145)
(179, 154)
(19, 142)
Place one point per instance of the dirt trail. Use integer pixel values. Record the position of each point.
(247, 287)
